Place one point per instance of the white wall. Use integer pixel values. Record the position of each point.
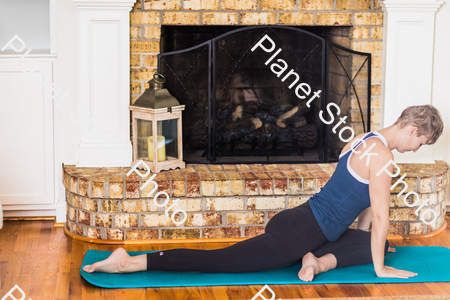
(67, 78)
(67, 134)
(441, 81)
(31, 22)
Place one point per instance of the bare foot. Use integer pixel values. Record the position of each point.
(115, 263)
(310, 267)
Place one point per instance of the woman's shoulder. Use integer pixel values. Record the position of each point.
(379, 148)
(348, 145)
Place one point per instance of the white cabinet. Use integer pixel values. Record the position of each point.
(26, 134)
(28, 152)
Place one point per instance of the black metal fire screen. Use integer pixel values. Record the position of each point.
(268, 94)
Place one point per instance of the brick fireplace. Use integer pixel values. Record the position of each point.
(357, 25)
(233, 201)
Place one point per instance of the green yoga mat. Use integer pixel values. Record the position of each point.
(431, 263)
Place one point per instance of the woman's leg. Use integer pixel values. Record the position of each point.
(312, 265)
(352, 248)
(245, 256)
(288, 237)
(119, 262)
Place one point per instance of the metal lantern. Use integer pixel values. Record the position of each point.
(157, 135)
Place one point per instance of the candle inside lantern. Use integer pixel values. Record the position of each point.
(161, 148)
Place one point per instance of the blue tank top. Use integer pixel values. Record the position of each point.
(344, 196)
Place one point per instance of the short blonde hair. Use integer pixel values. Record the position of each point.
(426, 118)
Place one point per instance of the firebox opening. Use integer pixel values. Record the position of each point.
(239, 111)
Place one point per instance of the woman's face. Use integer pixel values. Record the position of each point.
(412, 142)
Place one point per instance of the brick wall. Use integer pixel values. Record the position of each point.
(223, 201)
(364, 17)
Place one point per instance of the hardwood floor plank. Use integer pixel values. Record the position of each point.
(193, 292)
(55, 242)
(354, 290)
(160, 293)
(242, 291)
(63, 263)
(282, 291)
(380, 289)
(3, 270)
(8, 247)
(308, 291)
(32, 230)
(217, 292)
(33, 244)
(438, 289)
(329, 290)
(28, 264)
(294, 290)
(62, 286)
(11, 227)
(206, 293)
(76, 283)
(13, 274)
(20, 244)
(254, 289)
(91, 291)
(44, 235)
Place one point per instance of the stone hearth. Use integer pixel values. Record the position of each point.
(224, 201)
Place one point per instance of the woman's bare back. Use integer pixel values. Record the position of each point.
(359, 165)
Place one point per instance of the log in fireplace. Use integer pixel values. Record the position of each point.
(255, 94)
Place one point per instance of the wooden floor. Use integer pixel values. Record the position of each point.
(45, 264)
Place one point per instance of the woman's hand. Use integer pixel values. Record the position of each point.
(391, 249)
(396, 273)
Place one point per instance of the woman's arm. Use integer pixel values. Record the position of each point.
(379, 191)
(364, 219)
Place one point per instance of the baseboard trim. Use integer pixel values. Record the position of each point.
(59, 225)
(31, 218)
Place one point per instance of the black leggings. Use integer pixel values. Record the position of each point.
(288, 236)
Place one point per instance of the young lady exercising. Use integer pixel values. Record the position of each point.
(317, 231)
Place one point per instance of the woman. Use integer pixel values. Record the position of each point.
(316, 231)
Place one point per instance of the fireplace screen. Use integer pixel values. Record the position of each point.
(268, 94)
